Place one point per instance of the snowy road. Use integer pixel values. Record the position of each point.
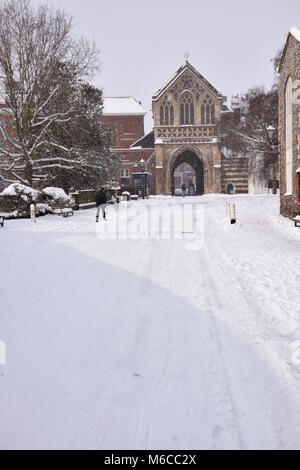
(143, 344)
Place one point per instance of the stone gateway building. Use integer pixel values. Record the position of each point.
(186, 112)
(184, 144)
(289, 126)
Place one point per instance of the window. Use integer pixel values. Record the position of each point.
(161, 115)
(187, 114)
(208, 112)
(166, 113)
(289, 135)
(124, 173)
(213, 114)
(125, 177)
(202, 114)
(230, 189)
(172, 116)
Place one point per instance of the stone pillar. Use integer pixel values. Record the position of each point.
(217, 179)
(159, 169)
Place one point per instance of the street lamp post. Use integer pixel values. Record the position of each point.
(134, 182)
(271, 132)
(142, 162)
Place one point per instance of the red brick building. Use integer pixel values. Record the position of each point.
(126, 114)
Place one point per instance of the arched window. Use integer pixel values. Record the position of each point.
(213, 114)
(187, 114)
(161, 116)
(181, 114)
(192, 114)
(166, 113)
(171, 116)
(289, 135)
(208, 112)
(202, 114)
(230, 189)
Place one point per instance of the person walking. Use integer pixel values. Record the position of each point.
(183, 188)
(101, 203)
(173, 190)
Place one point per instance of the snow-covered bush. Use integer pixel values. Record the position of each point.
(43, 209)
(56, 198)
(25, 192)
(15, 200)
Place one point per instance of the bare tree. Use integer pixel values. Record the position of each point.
(39, 61)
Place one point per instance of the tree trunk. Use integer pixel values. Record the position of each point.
(28, 174)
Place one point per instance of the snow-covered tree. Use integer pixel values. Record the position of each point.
(42, 67)
(89, 159)
(245, 129)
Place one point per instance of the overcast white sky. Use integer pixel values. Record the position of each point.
(142, 43)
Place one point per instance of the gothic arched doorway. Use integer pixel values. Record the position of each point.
(190, 158)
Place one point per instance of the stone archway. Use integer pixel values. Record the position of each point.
(190, 157)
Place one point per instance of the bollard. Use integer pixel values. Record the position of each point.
(232, 214)
(32, 213)
(2, 353)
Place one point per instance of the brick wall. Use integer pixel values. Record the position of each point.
(129, 129)
(130, 160)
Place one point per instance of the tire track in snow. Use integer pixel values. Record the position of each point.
(232, 367)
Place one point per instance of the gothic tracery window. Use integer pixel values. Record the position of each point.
(202, 114)
(187, 113)
(161, 116)
(171, 115)
(213, 114)
(208, 112)
(166, 113)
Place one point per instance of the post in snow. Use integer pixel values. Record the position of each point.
(32, 213)
(2, 353)
(232, 214)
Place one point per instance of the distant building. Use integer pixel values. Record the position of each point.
(289, 125)
(186, 113)
(184, 145)
(126, 115)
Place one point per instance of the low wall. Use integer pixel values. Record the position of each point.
(84, 199)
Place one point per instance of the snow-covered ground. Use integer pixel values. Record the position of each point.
(145, 344)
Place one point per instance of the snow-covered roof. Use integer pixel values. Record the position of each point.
(122, 105)
(296, 33)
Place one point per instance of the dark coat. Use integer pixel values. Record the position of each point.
(100, 198)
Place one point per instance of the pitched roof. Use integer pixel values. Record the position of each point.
(180, 71)
(146, 142)
(295, 33)
(122, 105)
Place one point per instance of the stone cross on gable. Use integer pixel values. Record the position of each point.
(186, 56)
